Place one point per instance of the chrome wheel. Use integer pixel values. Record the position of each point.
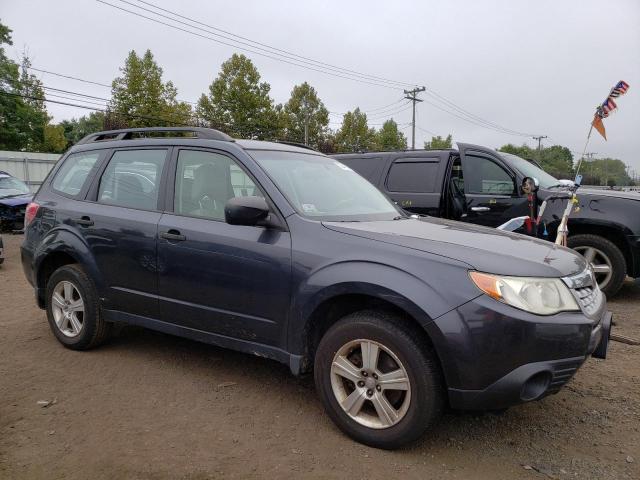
(600, 263)
(67, 307)
(370, 383)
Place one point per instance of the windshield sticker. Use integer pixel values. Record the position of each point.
(309, 208)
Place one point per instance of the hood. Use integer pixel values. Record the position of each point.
(484, 249)
(589, 193)
(16, 201)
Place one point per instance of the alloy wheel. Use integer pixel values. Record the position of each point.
(600, 263)
(370, 383)
(67, 307)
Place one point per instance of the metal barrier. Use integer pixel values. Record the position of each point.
(30, 167)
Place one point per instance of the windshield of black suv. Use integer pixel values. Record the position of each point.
(529, 169)
(11, 187)
(322, 188)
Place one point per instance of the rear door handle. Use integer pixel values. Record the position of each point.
(84, 221)
(480, 209)
(173, 236)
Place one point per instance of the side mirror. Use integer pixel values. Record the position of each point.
(530, 185)
(246, 211)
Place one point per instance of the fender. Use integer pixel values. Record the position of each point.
(66, 240)
(389, 283)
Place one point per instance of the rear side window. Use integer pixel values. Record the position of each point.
(132, 179)
(412, 176)
(368, 167)
(73, 173)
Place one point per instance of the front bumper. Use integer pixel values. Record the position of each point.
(531, 381)
(494, 356)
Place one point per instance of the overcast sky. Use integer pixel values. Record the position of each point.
(533, 66)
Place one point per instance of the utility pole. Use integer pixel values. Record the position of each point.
(412, 95)
(590, 156)
(539, 139)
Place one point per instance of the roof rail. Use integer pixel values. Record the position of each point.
(127, 134)
(296, 144)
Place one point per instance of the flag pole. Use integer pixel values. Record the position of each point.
(584, 151)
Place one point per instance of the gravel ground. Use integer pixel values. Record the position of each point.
(148, 405)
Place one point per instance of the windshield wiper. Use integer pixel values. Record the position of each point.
(14, 195)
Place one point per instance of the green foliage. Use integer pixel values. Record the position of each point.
(556, 160)
(354, 134)
(76, 129)
(439, 143)
(23, 115)
(389, 137)
(605, 171)
(141, 99)
(54, 139)
(305, 108)
(239, 104)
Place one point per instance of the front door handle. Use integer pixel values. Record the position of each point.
(480, 209)
(84, 221)
(173, 236)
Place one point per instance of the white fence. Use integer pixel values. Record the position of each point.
(30, 167)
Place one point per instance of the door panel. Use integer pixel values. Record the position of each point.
(227, 279)
(413, 183)
(490, 187)
(120, 225)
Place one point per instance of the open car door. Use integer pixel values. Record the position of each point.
(490, 187)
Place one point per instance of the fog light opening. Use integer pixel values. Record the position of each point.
(535, 386)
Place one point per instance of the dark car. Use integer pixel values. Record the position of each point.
(479, 185)
(288, 254)
(14, 198)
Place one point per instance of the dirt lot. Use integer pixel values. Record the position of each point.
(152, 406)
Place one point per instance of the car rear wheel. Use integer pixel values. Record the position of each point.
(605, 258)
(73, 311)
(378, 382)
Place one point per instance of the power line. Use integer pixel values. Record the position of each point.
(258, 45)
(379, 84)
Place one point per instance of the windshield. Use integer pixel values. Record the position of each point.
(322, 188)
(529, 169)
(11, 186)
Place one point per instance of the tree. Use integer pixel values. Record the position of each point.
(141, 99)
(556, 160)
(76, 129)
(605, 171)
(305, 116)
(239, 104)
(354, 134)
(54, 139)
(438, 143)
(389, 137)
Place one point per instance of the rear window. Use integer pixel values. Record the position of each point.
(73, 173)
(368, 167)
(412, 176)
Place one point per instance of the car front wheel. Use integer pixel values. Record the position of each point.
(378, 382)
(605, 258)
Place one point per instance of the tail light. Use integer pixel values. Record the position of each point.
(30, 213)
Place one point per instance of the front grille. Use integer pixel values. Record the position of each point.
(589, 299)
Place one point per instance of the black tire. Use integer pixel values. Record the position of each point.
(611, 251)
(426, 384)
(95, 330)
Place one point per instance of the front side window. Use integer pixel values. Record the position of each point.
(132, 179)
(12, 187)
(73, 173)
(322, 188)
(484, 176)
(205, 181)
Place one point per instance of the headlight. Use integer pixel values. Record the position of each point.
(542, 296)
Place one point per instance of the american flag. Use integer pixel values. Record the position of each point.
(620, 89)
(608, 106)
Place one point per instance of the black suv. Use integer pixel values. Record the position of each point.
(479, 185)
(282, 252)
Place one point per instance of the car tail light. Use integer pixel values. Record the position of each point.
(30, 213)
